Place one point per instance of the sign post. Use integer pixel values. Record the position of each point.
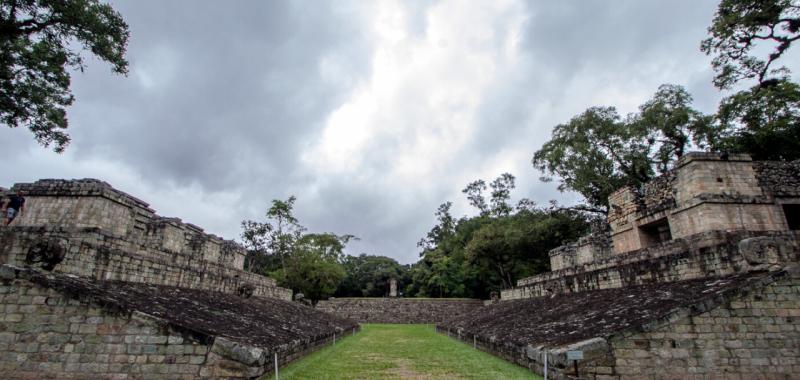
(575, 356)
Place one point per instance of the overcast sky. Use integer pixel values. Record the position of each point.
(372, 113)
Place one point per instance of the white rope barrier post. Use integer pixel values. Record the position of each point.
(334, 339)
(545, 364)
(276, 366)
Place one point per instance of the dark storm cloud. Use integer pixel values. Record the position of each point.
(220, 93)
(565, 42)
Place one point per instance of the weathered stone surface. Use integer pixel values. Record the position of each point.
(120, 329)
(779, 178)
(96, 254)
(636, 332)
(90, 203)
(766, 249)
(569, 318)
(135, 295)
(710, 254)
(245, 354)
(740, 194)
(47, 253)
(399, 310)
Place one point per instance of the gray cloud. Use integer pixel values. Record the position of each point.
(217, 86)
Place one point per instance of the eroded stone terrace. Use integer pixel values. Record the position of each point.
(257, 321)
(570, 318)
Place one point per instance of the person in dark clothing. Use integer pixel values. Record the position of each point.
(15, 206)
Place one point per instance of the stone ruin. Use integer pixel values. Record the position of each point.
(96, 285)
(696, 277)
(398, 309)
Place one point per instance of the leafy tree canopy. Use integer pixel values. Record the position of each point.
(279, 247)
(763, 121)
(598, 151)
(742, 26)
(369, 275)
(275, 237)
(473, 256)
(36, 37)
(314, 267)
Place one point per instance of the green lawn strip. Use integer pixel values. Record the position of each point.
(386, 351)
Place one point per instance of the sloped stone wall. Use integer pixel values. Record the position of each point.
(399, 310)
(779, 178)
(59, 326)
(105, 233)
(46, 334)
(94, 253)
(90, 203)
(710, 254)
(754, 336)
(733, 327)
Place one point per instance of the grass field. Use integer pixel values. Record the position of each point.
(401, 352)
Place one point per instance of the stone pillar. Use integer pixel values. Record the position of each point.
(392, 287)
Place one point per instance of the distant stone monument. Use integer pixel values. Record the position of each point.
(393, 288)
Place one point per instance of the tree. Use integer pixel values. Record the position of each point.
(763, 121)
(473, 256)
(501, 194)
(445, 227)
(597, 152)
(742, 26)
(35, 52)
(369, 275)
(314, 267)
(670, 124)
(517, 246)
(474, 192)
(498, 202)
(276, 237)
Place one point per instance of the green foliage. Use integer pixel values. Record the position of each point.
(35, 51)
(763, 121)
(597, 152)
(473, 256)
(314, 268)
(275, 238)
(739, 27)
(517, 246)
(280, 248)
(368, 276)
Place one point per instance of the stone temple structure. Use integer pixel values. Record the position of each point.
(696, 277)
(94, 284)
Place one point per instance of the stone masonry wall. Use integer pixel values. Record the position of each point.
(89, 203)
(94, 253)
(705, 192)
(45, 334)
(57, 326)
(399, 310)
(710, 254)
(105, 233)
(779, 178)
(756, 336)
(592, 247)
